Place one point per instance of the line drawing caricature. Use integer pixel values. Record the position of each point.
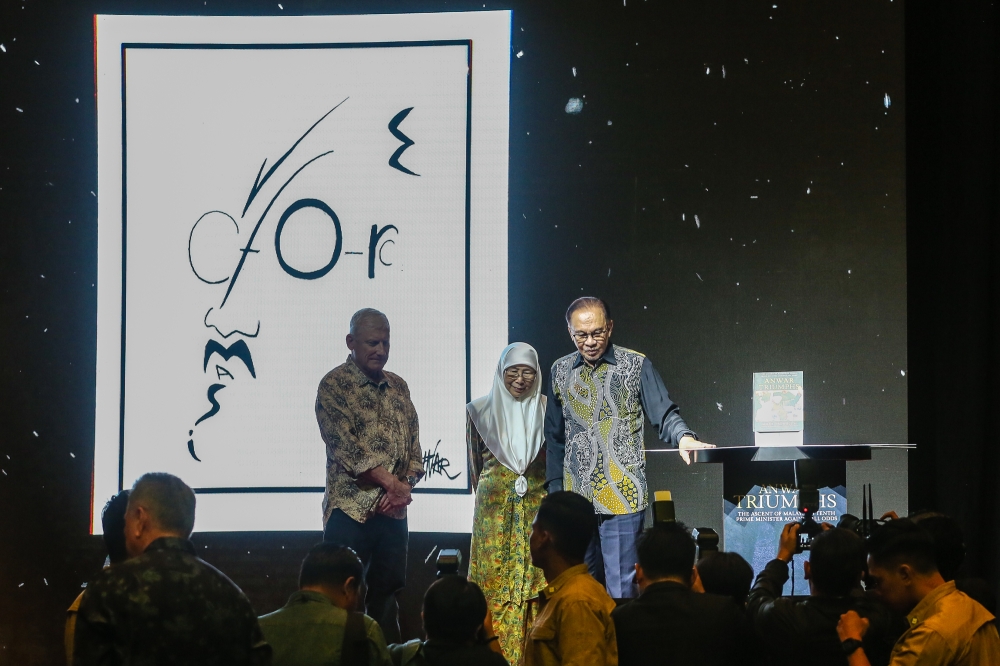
(240, 349)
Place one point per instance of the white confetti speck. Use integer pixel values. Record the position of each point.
(609, 123)
(719, 405)
(902, 373)
(46, 580)
(574, 106)
(699, 276)
(19, 109)
(887, 101)
(520, 53)
(574, 71)
(77, 100)
(723, 71)
(72, 455)
(3, 48)
(708, 70)
(697, 222)
(36, 62)
(753, 196)
(281, 8)
(848, 271)
(34, 433)
(808, 190)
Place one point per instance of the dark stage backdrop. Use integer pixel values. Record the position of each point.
(734, 186)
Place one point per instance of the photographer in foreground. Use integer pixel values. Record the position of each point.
(945, 627)
(669, 622)
(454, 612)
(805, 631)
(727, 574)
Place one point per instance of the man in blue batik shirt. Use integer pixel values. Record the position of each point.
(597, 399)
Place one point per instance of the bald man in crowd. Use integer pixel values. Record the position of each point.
(373, 460)
(164, 605)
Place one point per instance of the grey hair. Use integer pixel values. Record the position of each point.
(367, 315)
(168, 500)
(587, 303)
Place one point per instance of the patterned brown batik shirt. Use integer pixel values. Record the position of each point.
(365, 424)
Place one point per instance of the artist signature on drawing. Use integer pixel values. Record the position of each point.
(435, 463)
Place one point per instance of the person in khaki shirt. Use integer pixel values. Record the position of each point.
(946, 627)
(573, 626)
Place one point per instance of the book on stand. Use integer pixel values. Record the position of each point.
(778, 408)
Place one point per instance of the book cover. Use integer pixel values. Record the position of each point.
(753, 521)
(760, 499)
(778, 404)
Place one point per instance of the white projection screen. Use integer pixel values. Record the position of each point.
(261, 179)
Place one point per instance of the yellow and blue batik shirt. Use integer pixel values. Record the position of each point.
(594, 427)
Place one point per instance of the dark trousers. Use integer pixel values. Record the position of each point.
(381, 543)
(611, 556)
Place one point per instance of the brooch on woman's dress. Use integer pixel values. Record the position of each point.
(521, 485)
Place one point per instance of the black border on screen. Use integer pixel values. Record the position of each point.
(468, 213)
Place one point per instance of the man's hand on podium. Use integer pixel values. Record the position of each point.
(689, 444)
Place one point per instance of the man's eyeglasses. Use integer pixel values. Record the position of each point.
(598, 335)
(527, 374)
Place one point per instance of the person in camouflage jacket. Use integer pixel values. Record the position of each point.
(165, 605)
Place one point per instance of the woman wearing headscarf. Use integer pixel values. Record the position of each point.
(505, 435)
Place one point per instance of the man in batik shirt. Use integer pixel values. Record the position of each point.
(373, 460)
(598, 397)
(165, 605)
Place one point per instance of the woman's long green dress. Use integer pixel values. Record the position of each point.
(499, 557)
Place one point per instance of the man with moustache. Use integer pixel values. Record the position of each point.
(597, 398)
(373, 460)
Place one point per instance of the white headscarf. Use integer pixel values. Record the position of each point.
(512, 428)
